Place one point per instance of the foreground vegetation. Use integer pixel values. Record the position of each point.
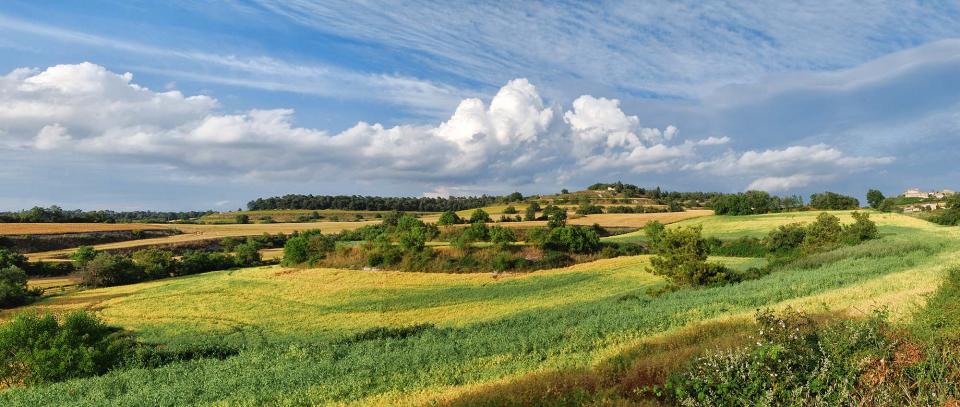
(326, 335)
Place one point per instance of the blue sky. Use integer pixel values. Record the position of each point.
(189, 105)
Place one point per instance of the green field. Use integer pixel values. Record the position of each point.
(309, 336)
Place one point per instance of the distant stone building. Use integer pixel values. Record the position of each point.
(917, 193)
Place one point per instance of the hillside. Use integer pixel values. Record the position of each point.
(318, 336)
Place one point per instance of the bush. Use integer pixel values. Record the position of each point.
(242, 219)
(82, 255)
(480, 215)
(588, 209)
(107, 270)
(248, 254)
(786, 238)
(449, 218)
(41, 349)
(10, 258)
(861, 230)
(531, 212)
(502, 237)
(510, 210)
(833, 201)
(194, 262)
(654, 232)
(296, 251)
(822, 233)
(155, 263)
(682, 259)
(556, 216)
(796, 361)
(13, 287)
(573, 239)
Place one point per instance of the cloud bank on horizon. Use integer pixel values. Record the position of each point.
(344, 98)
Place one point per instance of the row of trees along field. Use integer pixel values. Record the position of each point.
(633, 191)
(55, 214)
(760, 202)
(378, 203)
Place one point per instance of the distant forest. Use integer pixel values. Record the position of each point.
(55, 214)
(377, 203)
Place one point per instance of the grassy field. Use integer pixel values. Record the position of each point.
(194, 233)
(7, 229)
(326, 336)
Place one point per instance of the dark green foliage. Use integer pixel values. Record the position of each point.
(248, 253)
(82, 255)
(572, 239)
(862, 229)
(822, 233)
(510, 210)
(55, 214)
(786, 238)
(194, 262)
(951, 216)
(741, 247)
(654, 232)
(155, 263)
(588, 209)
(375, 203)
(531, 212)
(109, 269)
(833, 201)
(480, 215)
(13, 287)
(502, 237)
(10, 258)
(242, 219)
(875, 198)
(41, 349)
(682, 259)
(556, 216)
(449, 218)
(748, 203)
(296, 251)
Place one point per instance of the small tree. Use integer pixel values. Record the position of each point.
(824, 232)
(654, 231)
(242, 218)
(248, 254)
(82, 255)
(502, 237)
(107, 270)
(510, 210)
(875, 198)
(449, 218)
(13, 287)
(155, 263)
(862, 229)
(682, 259)
(480, 215)
(531, 212)
(556, 216)
(295, 251)
(786, 238)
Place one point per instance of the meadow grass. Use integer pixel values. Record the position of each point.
(335, 336)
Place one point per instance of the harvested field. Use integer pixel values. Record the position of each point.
(195, 233)
(9, 229)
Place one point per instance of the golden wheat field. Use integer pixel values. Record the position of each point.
(7, 229)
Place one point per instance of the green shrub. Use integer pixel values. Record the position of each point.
(13, 287)
(822, 233)
(82, 255)
(556, 216)
(573, 239)
(480, 215)
(296, 251)
(449, 218)
(248, 254)
(786, 238)
(41, 349)
(531, 212)
(502, 237)
(10, 258)
(682, 259)
(193, 262)
(510, 210)
(862, 229)
(107, 270)
(654, 232)
(155, 263)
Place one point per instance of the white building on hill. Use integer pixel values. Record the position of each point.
(917, 193)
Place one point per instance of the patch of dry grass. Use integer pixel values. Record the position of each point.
(8, 229)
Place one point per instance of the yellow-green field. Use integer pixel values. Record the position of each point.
(299, 327)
